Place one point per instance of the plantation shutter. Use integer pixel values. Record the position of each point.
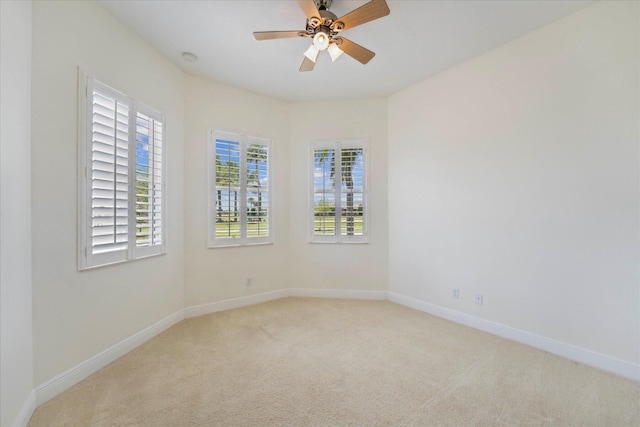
(149, 183)
(324, 192)
(107, 175)
(239, 190)
(121, 187)
(352, 191)
(339, 194)
(257, 189)
(227, 187)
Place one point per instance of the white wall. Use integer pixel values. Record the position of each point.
(78, 315)
(339, 266)
(16, 363)
(515, 175)
(220, 273)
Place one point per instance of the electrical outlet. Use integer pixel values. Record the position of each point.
(478, 299)
(455, 293)
(248, 281)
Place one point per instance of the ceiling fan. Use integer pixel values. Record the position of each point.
(325, 29)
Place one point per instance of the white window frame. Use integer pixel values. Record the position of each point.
(86, 258)
(362, 143)
(245, 141)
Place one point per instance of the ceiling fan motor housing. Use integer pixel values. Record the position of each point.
(327, 23)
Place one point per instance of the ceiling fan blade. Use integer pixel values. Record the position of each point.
(309, 8)
(269, 35)
(367, 12)
(307, 65)
(354, 50)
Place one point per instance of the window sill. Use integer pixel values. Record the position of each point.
(239, 245)
(126, 261)
(338, 243)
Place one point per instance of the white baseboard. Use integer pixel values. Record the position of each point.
(568, 351)
(72, 376)
(337, 293)
(228, 304)
(26, 411)
(60, 383)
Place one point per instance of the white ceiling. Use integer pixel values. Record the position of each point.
(418, 39)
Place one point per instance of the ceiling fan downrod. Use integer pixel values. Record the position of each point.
(323, 4)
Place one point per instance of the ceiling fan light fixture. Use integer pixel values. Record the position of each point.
(334, 51)
(321, 40)
(312, 53)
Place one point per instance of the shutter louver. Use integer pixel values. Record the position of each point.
(108, 174)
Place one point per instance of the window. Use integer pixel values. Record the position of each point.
(339, 194)
(239, 190)
(121, 177)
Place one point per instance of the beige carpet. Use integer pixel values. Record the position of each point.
(323, 362)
